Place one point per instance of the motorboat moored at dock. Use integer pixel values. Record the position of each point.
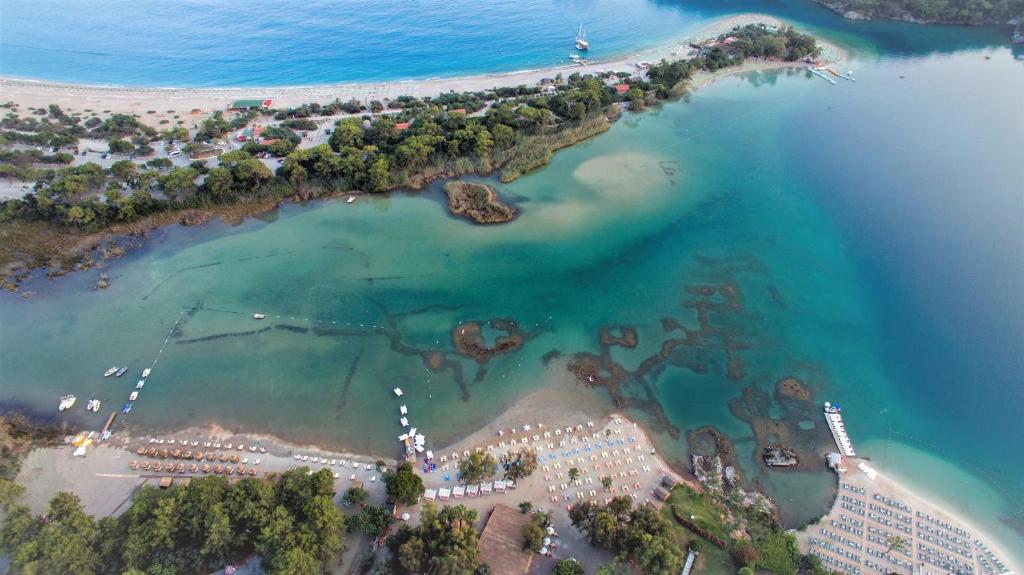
(66, 401)
(110, 371)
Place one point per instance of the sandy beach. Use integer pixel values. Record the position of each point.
(181, 104)
(106, 478)
(871, 507)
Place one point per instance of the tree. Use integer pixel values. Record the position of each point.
(574, 473)
(10, 493)
(533, 536)
(445, 541)
(894, 543)
(606, 482)
(403, 486)
(126, 170)
(373, 520)
(477, 467)
(779, 554)
(525, 507)
(378, 175)
(294, 561)
(616, 567)
(219, 535)
(568, 567)
(219, 183)
(745, 553)
(659, 557)
(355, 495)
(411, 555)
(519, 465)
(64, 544)
(179, 182)
(120, 146)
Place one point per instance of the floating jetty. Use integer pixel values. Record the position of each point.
(817, 72)
(846, 76)
(834, 418)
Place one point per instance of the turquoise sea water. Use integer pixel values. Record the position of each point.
(875, 232)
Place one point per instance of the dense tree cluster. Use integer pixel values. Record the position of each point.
(935, 11)
(512, 128)
(291, 522)
(445, 543)
(477, 467)
(637, 534)
(403, 486)
(519, 464)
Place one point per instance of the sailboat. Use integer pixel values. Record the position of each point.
(581, 39)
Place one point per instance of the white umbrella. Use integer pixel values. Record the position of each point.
(547, 541)
(405, 517)
(551, 530)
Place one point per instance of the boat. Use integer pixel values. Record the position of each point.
(122, 371)
(66, 401)
(350, 199)
(140, 384)
(93, 405)
(398, 391)
(127, 407)
(404, 421)
(258, 316)
(576, 58)
(134, 395)
(146, 372)
(581, 39)
(110, 371)
(403, 410)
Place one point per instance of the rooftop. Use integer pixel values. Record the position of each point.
(501, 544)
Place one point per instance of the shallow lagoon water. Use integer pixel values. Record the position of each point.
(874, 229)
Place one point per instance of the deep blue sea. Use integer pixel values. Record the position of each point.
(888, 216)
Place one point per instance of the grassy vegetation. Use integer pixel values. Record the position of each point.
(18, 436)
(700, 509)
(478, 202)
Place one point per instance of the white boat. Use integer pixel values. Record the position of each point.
(403, 410)
(140, 384)
(122, 371)
(110, 371)
(404, 421)
(350, 199)
(146, 372)
(66, 401)
(581, 39)
(134, 395)
(575, 57)
(93, 405)
(398, 391)
(258, 316)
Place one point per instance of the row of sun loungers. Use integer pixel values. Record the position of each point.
(171, 467)
(209, 444)
(211, 456)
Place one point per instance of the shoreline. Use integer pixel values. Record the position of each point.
(33, 92)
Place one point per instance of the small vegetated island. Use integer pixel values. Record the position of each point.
(73, 207)
(478, 202)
